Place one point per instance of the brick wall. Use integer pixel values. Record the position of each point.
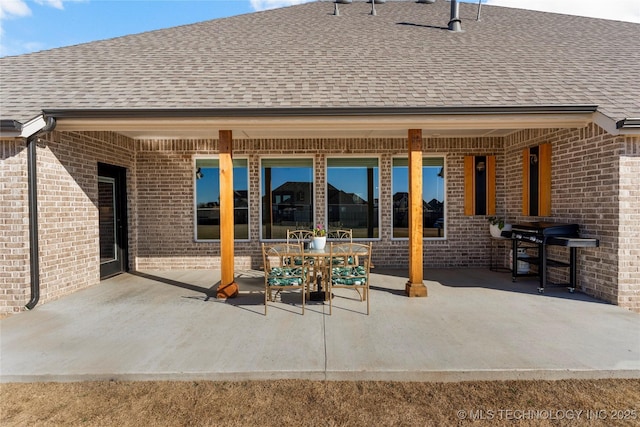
(67, 207)
(14, 222)
(587, 189)
(584, 191)
(165, 174)
(67, 212)
(629, 250)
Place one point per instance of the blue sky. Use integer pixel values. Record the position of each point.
(33, 25)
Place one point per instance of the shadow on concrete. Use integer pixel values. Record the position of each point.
(485, 278)
(208, 292)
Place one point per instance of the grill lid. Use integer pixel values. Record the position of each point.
(547, 228)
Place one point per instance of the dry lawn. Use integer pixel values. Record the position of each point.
(317, 403)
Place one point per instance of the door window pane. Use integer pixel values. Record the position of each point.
(287, 196)
(352, 195)
(433, 220)
(208, 199)
(107, 219)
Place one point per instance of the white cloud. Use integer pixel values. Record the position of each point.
(13, 8)
(274, 4)
(620, 10)
(53, 3)
(20, 8)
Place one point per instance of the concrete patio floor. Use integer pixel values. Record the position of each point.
(474, 325)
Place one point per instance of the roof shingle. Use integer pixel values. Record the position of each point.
(303, 56)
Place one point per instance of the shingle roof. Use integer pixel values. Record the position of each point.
(303, 56)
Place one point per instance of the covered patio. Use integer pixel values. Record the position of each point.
(407, 133)
(476, 324)
(433, 130)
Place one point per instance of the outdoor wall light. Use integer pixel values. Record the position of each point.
(533, 159)
(199, 173)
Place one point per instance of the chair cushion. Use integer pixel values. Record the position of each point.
(348, 275)
(340, 260)
(286, 276)
(298, 260)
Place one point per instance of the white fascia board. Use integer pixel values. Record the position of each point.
(514, 121)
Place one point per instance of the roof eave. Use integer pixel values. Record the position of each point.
(10, 128)
(316, 111)
(628, 123)
(355, 122)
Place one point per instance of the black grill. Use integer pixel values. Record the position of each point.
(539, 232)
(539, 235)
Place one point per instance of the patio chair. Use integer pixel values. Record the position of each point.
(341, 235)
(302, 237)
(299, 236)
(281, 271)
(351, 271)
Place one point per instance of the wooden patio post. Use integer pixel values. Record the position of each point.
(227, 288)
(415, 286)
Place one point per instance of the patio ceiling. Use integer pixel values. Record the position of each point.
(322, 123)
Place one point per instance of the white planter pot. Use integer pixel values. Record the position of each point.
(318, 242)
(495, 230)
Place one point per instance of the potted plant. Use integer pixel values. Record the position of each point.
(319, 239)
(496, 225)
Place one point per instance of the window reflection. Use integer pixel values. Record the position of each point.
(433, 220)
(352, 195)
(208, 199)
(287, 196)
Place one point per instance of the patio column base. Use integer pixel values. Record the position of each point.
(227, 291)
(415, 289)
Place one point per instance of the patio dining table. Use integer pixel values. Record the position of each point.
(319, 275)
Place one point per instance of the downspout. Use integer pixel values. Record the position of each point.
(34, 252)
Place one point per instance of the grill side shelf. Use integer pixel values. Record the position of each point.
(573, 242)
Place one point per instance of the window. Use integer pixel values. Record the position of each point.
(352, 195)
(480, 185)
(536, 180)
(208, 199)
(287, 196)
(433, 219)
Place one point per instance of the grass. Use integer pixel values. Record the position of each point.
(321, 403)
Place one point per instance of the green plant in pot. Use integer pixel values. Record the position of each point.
(496, 220)
(496, 225)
